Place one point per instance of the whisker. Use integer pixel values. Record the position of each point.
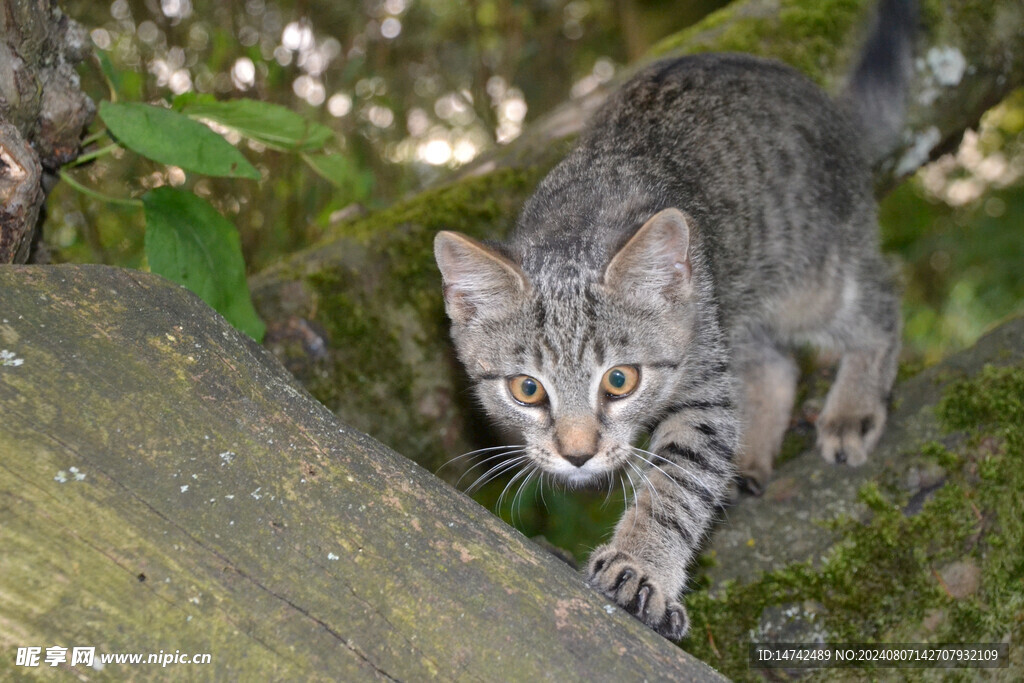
(607, 496)
(519, 494)
(672, 482)
(477, 452)
(511, 481)
(655, 496)
(543, 475)
(662, 458)
(493, 457)
(665, 460)
(494, 472)
(528, 471)
(719, 511)
(494, 448)
(625, 508)
(652, 464)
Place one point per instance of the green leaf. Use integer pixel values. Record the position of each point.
(271, 124)
(339, 171)
(172, 138)
(189, 242)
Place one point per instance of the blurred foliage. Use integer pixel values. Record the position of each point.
(957, 229)
(413, 88)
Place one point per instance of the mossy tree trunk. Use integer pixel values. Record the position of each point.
(42, 113)
(359, 318)
(166, 486)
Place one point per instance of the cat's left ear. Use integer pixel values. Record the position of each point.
(655, 261)
(479, 282)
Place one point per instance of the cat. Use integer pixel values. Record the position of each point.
(717, 210)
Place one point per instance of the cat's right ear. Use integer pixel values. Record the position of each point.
(655, 262)
(478, 281)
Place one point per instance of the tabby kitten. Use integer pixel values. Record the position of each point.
(718, 210)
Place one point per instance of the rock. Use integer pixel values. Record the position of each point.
(961, 579)
(792, 623)
(932, 619)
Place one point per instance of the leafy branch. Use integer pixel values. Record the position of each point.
(186, 239)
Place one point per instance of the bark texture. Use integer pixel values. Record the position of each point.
(165, 485)
(42, 112)
(359, 320)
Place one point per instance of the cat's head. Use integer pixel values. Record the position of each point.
(578, 366)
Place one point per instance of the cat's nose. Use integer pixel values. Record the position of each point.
(577, 459)
(576, 438)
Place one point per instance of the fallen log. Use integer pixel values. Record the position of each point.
(167, 487)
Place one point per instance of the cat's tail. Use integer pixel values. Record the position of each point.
(878, 87)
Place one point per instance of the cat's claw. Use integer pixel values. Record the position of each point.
(622, 578)
(752, 485)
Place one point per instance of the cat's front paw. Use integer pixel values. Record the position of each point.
(632, 585)
(848, 436)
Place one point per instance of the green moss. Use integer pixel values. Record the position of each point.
(941, 455)
(470, 205)
(910, 368)
(884, 577)
(350, 319)
(994, 398)
(950, 22)
(811, 35)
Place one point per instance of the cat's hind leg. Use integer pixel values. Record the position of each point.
(768, 387)
(867, 331)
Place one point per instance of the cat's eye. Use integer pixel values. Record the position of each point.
(526, 390)
(620, 381)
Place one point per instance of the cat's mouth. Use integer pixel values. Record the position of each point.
(590, 472)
